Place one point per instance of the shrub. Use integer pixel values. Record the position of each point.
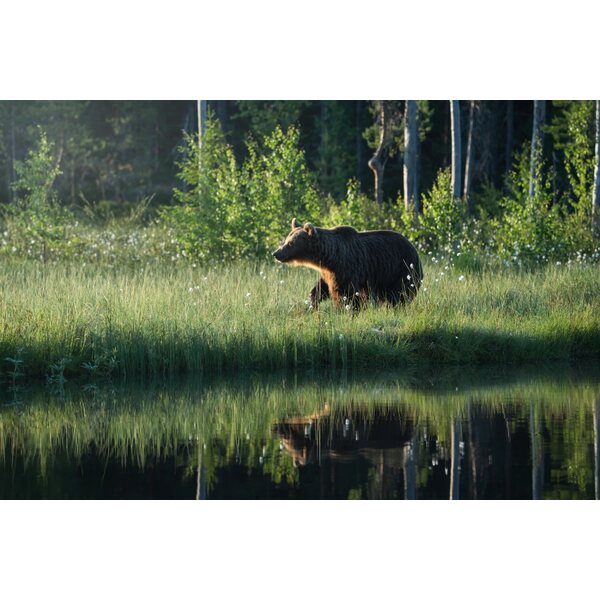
(541, 227)
(35, 223)
(443, 215)
(277, 184)
(231, 211)
(358, 210)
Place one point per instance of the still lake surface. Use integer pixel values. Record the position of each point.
(458, 433)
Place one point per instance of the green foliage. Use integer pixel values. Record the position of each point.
(36, 176)
(264, 116)
(443, 216)
(358, 210)
(278, 185)
(336, 157)
(573, 132)
(538, 228)
(202, 218)
(35, 221)
(229, 210)
(394, 133)
(425, 116)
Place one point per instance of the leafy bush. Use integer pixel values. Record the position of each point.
(231, 211)
(277, 185)
(358, 210)
(200, 217)
(541, 227)
(35, 222)
(443, 215)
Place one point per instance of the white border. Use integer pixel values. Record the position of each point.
(296, 550)
(326, 49)
(515, 49)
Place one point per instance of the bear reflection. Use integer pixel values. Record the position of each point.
(341, 437)
(357, 453)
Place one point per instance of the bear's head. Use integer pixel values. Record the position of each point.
(300, 245)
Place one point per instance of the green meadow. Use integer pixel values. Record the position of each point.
(59, 321)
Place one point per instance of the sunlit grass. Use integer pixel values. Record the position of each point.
(161, 320)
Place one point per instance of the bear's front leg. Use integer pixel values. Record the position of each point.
(319, 293)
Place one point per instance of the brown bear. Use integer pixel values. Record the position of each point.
(353, 265)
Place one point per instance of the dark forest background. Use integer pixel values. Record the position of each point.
(123, 150)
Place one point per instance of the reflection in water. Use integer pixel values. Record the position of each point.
(596, 414)
(454, 435)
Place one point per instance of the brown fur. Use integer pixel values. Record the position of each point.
(354, 266)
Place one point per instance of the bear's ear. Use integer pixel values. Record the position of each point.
(310, 229)
(296, 223)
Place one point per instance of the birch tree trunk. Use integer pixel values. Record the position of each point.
(469, 159)
(202, 116)
(417, 185)
(456, 148)
(537, 141)
(410, 152)
(596, 192)
(377, 162)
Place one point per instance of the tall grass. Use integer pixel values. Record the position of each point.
(162, 320)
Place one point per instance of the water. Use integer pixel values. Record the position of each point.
(436, 435)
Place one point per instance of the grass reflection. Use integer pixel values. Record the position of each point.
(452, 434)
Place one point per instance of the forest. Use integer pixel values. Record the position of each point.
(136, 235)
(515, 180)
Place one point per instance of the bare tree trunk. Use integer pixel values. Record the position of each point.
(596, 193)
(456, 148)
(417, 185)
(510, 119)
(537, 141)
(377, 161)
(455, 459)
(202, 110)
(469, 160)
(410, 152)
